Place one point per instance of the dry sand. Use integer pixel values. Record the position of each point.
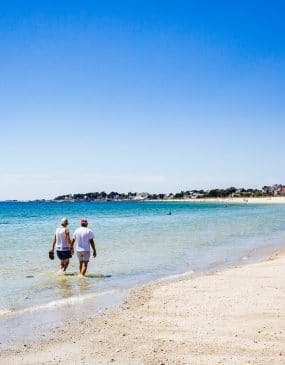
(261, 200)
(236, 316)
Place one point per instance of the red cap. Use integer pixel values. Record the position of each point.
(84, 220)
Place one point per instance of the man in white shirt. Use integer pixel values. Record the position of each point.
(83, 238)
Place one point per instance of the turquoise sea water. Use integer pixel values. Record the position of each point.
(136, 242)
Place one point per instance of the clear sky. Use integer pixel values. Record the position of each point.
(152, 96)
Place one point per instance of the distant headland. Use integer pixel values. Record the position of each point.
(231, 192)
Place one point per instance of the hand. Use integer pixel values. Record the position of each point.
(94, 254)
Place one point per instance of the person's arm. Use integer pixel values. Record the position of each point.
(53, 244)
(67, 236)
(69, 240)
(93, 247)
(72, 245)
(72, 242)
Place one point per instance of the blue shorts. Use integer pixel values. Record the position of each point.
(64, 255)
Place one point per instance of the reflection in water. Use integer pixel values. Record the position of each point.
(71, 284)
(65, 287)
(84, 285)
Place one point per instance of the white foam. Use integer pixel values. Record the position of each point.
(3, 312)
(176, 276)
(55, 303)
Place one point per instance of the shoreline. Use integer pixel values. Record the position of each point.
(39, 320)
(241, 200)
(261, 200)
(222, 319)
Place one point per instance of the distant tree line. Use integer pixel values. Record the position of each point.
(188, 194)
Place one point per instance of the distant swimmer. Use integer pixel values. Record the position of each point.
(83, 238)
(169, 213)
(62, 243)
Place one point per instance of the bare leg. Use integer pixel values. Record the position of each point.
(83, 267)
(62, 266)
(80, 266)
(65, 264)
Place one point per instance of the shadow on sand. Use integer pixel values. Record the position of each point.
(89, 275)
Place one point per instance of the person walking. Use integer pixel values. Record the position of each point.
(62, 243)
(83, 238)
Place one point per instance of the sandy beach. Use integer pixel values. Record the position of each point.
(260, 200)
(236, 316)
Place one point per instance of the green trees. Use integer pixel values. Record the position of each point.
(188, 194)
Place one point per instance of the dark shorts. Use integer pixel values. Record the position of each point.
(64, 255)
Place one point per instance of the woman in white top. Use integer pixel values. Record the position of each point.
(62, 243)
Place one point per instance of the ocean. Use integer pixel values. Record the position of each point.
(136, 242)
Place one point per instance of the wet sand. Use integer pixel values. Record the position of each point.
(235, 316)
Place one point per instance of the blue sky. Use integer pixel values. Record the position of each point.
(152, 96)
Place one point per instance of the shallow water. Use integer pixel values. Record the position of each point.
(136, 242)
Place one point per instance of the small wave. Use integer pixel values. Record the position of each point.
(54, 304)
(4, 312)
(176, 276)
